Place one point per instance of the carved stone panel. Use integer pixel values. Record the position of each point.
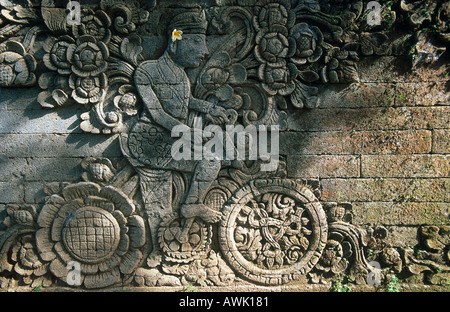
(224, 144)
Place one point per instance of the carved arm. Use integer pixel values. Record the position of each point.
(155, 109)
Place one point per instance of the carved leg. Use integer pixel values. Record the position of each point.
(205, 173)
(156, 188)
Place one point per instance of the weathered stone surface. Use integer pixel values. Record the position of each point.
(420, 166)
(407, 213)
(52, 169)
(402, 236)
(12, 168)
(396, 69)
(357, 95)
(422, 94)
(386, 189)
(441, 141)
(11, 193)
(34, 192)
(356, 142)
(58, 145)
(399, 118)
(20, 122)
(323, 166)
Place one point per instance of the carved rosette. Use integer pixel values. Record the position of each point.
(95, 227)
(16, 65)
(196, 245)
(273, 231)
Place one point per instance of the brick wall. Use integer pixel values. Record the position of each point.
(40, 146)
(381, 144)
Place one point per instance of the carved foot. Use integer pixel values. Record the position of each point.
(154, 259)
(202, 211)
(152, 277)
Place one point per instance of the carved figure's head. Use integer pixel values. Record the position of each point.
(187, 42)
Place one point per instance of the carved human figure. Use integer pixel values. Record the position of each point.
(165, 91)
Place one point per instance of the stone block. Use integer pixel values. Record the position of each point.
(12, 168)
(357, 95)
(53, 169)
(64, 120)
(441, 141)
(11, 193)
(402, 236)
(26, 101)
(34, 193)
(422, 94)
(407, 213)
(395, 142)
(59, 145)
(322, 166)
(365, 119)
(398, 69)
(356, 142)
(417, 166)
(387, 189)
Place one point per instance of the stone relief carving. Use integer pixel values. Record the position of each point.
(150, 220)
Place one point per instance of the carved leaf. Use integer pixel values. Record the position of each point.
(55, 19)
(131, 49)
(304, 96)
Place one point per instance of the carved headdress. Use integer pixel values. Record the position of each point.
(190, 22)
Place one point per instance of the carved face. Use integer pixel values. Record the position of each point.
(190, 51)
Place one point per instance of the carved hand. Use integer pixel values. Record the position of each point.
(217, 115)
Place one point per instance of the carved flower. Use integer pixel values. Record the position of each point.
(99, 170)
(29, 264)
(94, 226)
(94, 24)
(56, 58)
(338, 212)
(391, 258)
(88, 56)
(277, 80)
(271, 47)
(334, 256)
(217, 81)
(248, 241)
(273, 14)
(56, 90)
(272, 256)
(305, 43)
(16, 65)
(21, 215)
(127, 100)
(341, 65)
(88, 89)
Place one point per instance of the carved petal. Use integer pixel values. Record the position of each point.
(122, 202)
(89, 268)
(103, 279)
(49, 211)
(80, 190)
(62, 252)
(224, 93)
(109, 263)
(136, 231)
(59, 269)
(130, 261)
(44, 245)
(60, 97)
(238, 74)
